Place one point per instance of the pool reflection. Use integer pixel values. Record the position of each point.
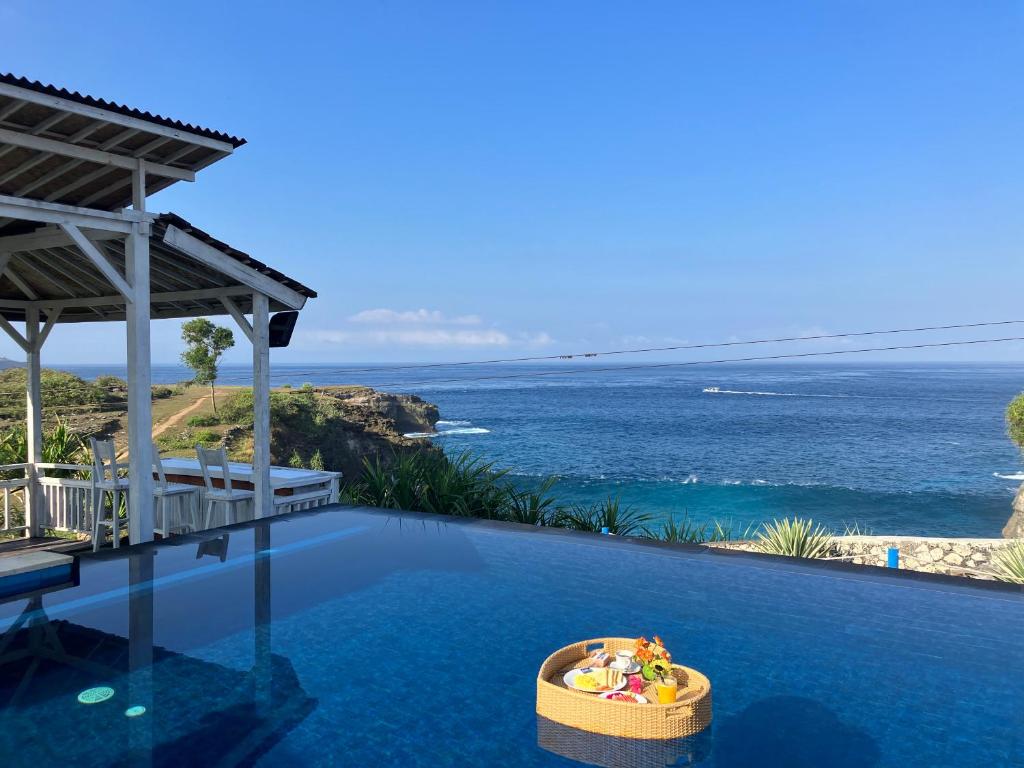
(190, 705)
(615, 752)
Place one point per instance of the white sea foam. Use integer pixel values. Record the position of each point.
(691, 480)
(1013, 476)
(767, 394)
(451, 427)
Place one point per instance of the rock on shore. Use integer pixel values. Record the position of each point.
(1014, 528)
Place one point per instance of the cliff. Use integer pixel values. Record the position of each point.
(332, 428)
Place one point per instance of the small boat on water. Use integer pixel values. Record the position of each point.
(712, 390)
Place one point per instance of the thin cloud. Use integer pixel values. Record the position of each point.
(384, 316)
(412, 337)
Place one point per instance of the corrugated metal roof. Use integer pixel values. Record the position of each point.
(111, 106)
(171, 219)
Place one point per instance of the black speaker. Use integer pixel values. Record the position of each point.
(281, 326)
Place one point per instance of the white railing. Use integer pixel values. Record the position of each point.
(66, 502)
(13, 487)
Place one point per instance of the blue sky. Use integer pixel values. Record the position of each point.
(465, 180)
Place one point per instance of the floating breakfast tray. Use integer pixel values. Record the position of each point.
(689, 714)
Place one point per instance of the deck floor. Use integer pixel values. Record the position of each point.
(41, 544)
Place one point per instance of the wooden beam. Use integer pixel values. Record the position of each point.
(16, 337)
(57, 213)
(102, 263)
(236, 313)
(77, 151)
(98, 113)
(232, 268)
(50, 237)
(112, 300)
(263, 492)
(51, 320)
(20, 284)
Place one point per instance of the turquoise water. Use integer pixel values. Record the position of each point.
(349, 637)
(912, 449)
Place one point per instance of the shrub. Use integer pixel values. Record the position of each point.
(161, 392)
(203, 420)
(1008, 563)
(108, 381)
(688, 532)
(610, 514)
(1015, 420)
(794, 538)
(532, 506)
(207, 437)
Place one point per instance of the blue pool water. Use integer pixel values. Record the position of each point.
(361, 637)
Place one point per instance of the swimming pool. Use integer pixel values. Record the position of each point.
(361, 637)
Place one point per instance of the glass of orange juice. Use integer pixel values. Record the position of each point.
(666, 688)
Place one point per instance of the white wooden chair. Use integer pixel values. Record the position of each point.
(177, 504)
(227, 496)
(105, 479)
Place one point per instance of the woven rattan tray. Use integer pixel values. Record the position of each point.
(690, 713)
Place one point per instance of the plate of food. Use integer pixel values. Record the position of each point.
(594, 679)
(626, 696)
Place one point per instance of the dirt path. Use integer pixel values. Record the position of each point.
(176, 418)
(173, 420)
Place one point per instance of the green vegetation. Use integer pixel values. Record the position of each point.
(1008, 563)
(610, 514)
(60, 391)
(204, 420)
(204, 345)
(1015, 420)
(688, 532)
(60, 446)
(794, 538)
(470, 487)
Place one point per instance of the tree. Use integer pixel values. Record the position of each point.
(1015, 420)
(204, 344)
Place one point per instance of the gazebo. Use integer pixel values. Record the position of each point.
(77, 244)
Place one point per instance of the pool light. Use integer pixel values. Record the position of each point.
(95, 695)
(136, 711)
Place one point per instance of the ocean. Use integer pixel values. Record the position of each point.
(915, 449)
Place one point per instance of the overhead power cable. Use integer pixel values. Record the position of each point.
(641, 350)
(645, 366)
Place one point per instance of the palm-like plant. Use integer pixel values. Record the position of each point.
(610, 514)
(1008, 563)
(532, 507)
(688, 532)
(794, 538)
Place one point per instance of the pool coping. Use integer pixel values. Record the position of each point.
(822, 567)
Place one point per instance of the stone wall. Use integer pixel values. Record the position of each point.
(958, 557)
(955, 557)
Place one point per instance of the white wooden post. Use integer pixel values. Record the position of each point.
(33, 422)
(264, 501)
(140, 414)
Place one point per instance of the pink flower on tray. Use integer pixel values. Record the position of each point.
(636, 684)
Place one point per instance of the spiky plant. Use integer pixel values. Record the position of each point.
(794, 538)
(1008, 563)
(686, 531)
(610, 514)
(533, 506)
